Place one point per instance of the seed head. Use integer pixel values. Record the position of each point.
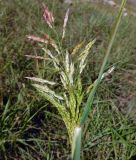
(48, 16)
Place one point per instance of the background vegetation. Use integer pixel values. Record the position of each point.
(30, 128)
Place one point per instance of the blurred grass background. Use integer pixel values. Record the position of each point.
(32, 129)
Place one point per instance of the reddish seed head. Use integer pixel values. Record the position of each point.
(37, 39)
(48, 16)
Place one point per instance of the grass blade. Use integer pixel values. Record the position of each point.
(90, 99)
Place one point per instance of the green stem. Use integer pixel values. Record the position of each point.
(76, 146)
(89, 102)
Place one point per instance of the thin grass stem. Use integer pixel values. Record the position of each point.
(88, 106)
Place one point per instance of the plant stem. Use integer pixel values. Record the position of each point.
(90, 99)
(76, 146)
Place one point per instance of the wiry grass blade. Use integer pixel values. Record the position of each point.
(90, 99)
(5, 111)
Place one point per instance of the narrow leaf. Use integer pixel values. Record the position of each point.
(90, 99)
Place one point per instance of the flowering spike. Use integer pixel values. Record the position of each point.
(65, 23)
(37, 39)
(48, 16)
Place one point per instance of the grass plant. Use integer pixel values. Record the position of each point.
(70, 71)
(31, 128)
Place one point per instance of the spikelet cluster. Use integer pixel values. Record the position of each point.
(69, 71)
